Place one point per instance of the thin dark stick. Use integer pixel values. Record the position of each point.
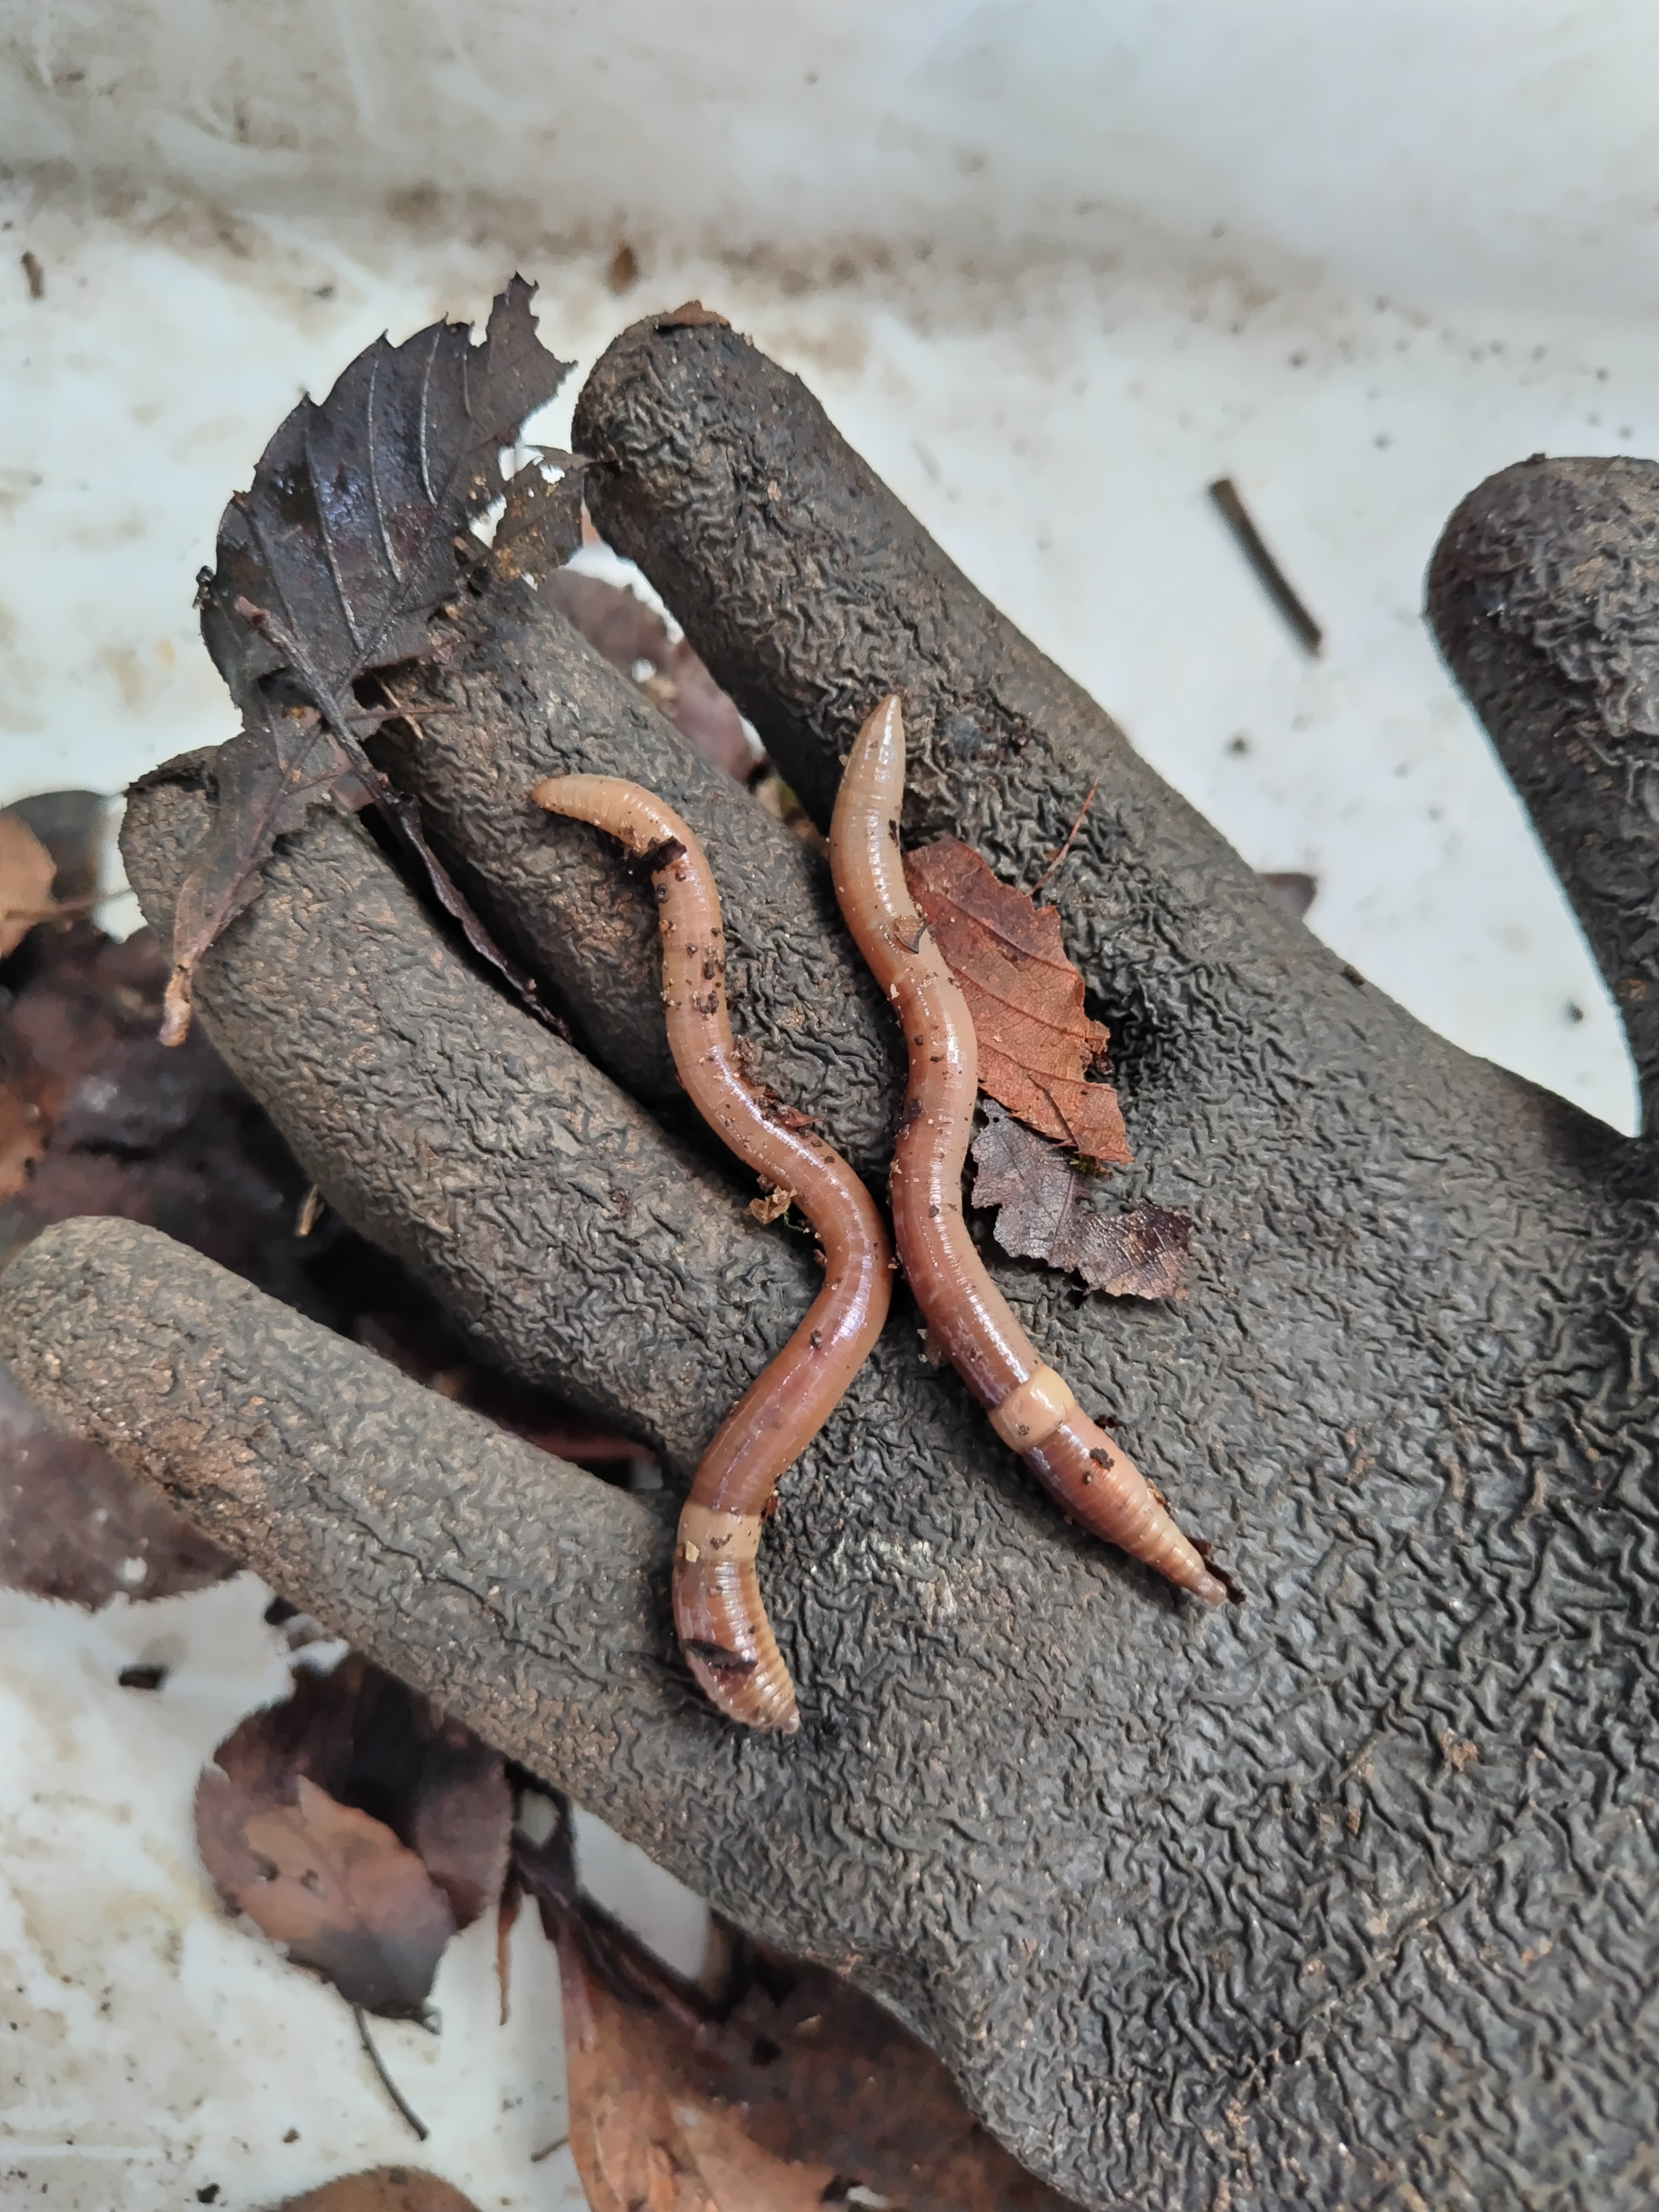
(548, 2149)
(1062, 849)
(419, 2125)
(1271, 576)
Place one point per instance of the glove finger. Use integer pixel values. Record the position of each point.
(524, 696)
(1543, 596)
(580, 1246)
(528, 1598)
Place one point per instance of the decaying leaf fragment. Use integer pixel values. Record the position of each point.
(641, 2134)
(541, 526)
(788, 2088)
(1044, 1215)
(381, 2189)
(329, 567)
(360, 1828)
(1036, 1046)
(281, 764)
(26, 870)
(340, 1892)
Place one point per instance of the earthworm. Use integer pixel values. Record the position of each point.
(1031, 1408)
(723, 1628)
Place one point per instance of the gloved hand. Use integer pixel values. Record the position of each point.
(1344, 1896)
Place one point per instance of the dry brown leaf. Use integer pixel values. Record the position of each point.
(1045, 1215)
(72, 825)
(341, 1894)
(644, 2139)
(1036, 1045)
(788, 2089)
(772, 1206)
(27, 869)
(381, 2189)
(459, 1819)
(359, 1826)
(692, 315)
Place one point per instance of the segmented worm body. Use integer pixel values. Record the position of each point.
(1031, 1408)
(723, 1629)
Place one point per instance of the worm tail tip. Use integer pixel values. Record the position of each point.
(729, 1645)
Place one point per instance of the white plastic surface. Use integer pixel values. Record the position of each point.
(1356, 259)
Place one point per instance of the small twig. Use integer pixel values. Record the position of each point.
(373, 719)
(548, 2149)
(35, 274)
(59, 910)
(311, 1208)
(1269, 574)
(415, 2122)
(1062, 849)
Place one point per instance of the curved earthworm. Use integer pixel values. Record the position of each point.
(723, 1629)
(1031, 1407)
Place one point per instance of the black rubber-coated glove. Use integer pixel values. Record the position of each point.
(1344, 1896)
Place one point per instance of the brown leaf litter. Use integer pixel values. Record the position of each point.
(1036, 1046)
(1045, 1215)
(358, 1826)
(75, 1525)
(26, 871)
(786, 2089)
(381, 2189)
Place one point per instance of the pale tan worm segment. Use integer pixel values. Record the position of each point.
(1031, 1407)
(723, 1629)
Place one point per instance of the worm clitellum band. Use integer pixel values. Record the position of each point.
(1031, 1408)
(724, 1632)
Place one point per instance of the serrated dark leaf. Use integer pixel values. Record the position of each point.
(329, 567)
(331, 563)
(1044, 1215)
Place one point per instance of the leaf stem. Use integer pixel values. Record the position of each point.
(1062, 850)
